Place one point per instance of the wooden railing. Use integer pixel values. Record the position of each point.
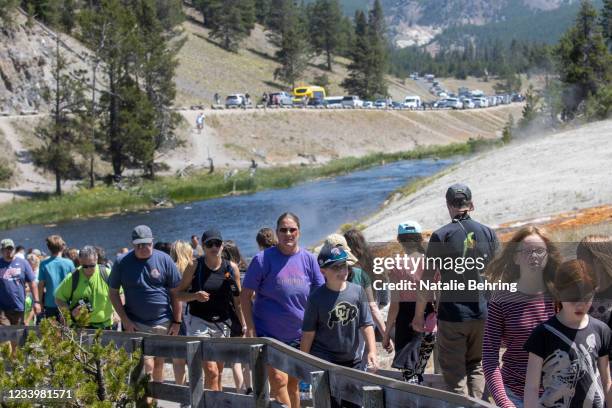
(327, 380)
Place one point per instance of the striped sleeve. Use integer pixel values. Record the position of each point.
(491, 344)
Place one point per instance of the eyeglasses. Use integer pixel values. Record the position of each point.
(214, 243)
(88, 266)
(535, 251)
(288, 230)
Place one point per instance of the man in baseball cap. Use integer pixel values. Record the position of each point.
(146, 276)
(461, 314)
(15, 273)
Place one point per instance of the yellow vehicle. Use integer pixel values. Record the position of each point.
(313, 93)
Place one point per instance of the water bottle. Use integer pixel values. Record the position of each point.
(304, 391)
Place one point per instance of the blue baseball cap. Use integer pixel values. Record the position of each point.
(409, 227)
(331, 256)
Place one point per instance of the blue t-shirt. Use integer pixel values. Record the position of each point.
(146, 285)
(53, 271)
(13, 276)
(282, 285)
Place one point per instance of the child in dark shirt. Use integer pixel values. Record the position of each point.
(568, 354)
(335, 314)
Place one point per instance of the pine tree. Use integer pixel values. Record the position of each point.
(233, 22)
(584, 63)
(325, 30)
(61, 134)
(290, 33)
(531, 108)
(262, 10)
(606, 21)
(378, 58)
(357, 81)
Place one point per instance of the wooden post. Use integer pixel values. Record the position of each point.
(373, 397)
(194, 365)
(259, 373)
(137, 375)
(319, 381)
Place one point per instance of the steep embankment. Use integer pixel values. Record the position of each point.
(529, 180)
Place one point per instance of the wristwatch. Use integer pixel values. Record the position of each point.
(175, 322)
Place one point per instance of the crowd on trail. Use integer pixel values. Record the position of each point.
(546, 344)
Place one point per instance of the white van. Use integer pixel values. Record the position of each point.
(412, 102)
(352, 101)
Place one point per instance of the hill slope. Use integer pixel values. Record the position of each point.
(516, 182)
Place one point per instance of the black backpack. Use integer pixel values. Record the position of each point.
(76, 276)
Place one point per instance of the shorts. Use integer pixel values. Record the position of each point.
(202, 328)
(161, 328)
(11, 318)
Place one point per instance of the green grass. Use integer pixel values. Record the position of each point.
(144, 194)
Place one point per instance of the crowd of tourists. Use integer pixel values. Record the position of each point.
(545, 344)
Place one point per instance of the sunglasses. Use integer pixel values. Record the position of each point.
(88, 266)
(213, 243)
(288, 230)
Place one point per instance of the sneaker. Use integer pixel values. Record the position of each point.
(249, 391)
(413, 380)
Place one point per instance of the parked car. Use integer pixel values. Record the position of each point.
(280, 98)
(468, 104)
(380, 103)
(454, 103)
(440, 104)
(442, 94)
(412, 102)
(480, 102)
(396, 105)
(334, 101)
(352, 101)
(234, 100)
(368, 104)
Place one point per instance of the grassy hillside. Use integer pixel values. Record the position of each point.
(205, 68)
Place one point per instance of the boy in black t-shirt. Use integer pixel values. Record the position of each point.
(568, 354)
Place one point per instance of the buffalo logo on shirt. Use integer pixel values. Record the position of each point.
(342, 313)
(155, 274)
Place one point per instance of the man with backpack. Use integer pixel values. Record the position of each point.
(459, 252)
(87, 287)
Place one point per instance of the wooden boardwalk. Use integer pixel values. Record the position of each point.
(327, 380)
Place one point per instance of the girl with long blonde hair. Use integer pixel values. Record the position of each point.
(182, 255)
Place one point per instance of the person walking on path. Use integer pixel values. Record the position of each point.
(461, 314)
(335, 315)
(568, 354)
(413, 348)
(15, 274)
(281, 278)
(528, 260)
(147, 277)
(211, 285)
(52, 272)
(596, 251)
(87, 287)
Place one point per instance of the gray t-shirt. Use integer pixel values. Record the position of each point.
(336, 318)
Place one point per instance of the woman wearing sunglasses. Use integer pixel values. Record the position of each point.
(281, 278)
(211, 286)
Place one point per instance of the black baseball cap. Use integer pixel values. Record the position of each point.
(331, 256)
(211, 235)
(458, 195)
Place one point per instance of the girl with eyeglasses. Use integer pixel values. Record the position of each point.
(281, 279)
(211, 286)
(529, 259)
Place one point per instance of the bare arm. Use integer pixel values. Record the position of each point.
(247, 310)
(306, 342)
(370, 341)
(181, 291)
(236, 299)
(532, 381)
(376, 315)
(37, 307)
(603, 364)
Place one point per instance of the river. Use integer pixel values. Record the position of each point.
(322, 205)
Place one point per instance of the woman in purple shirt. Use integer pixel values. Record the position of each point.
(280, 278)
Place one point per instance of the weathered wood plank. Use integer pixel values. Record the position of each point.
(138, 374)
(169, 392)
(373, 397)
(193, 353)
(291, 361)
(218, 399)
(226, 352)
(319, 381)
(164, 346)
(17, 336)
(259, 375)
